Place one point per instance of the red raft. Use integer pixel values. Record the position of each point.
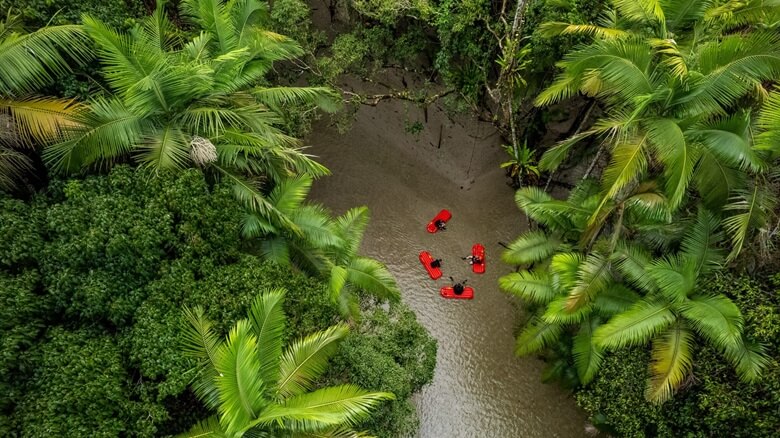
(426, 258)
(443, 216)
(449, 292)
(478, 251)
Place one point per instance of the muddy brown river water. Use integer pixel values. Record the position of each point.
(480, 388)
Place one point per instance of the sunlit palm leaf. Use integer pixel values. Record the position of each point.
(593, 276)
(239, 380)
(336, 405)
(306, 359)
(715, 317)
(587, 356)
(373, 277)
(558, 312)
(208, 428)
(635, 326)
(532, 286)
(323, 97)
(532, 246)
(268, 323)
(671, 363)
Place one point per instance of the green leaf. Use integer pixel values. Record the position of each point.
(587, 355)
(201, 343)
(532, 286)
(239, 381)
(635, 326)
(338, 279)
(593, 276)
(715, 317)
(616, 298)
(530, 247)
(268, 323)
(674, 276)
(671, 362)
(750, 359)
(557, 312)
(306, 359)
(332, 406)
(537, 335)
(373, 277)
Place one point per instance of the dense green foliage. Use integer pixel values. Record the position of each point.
(259, 386)
(713, 400)
(38, 13)
(94, 276)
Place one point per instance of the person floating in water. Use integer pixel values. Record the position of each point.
(458, 288)
(436, 263)
(473, 260)
(440, 225)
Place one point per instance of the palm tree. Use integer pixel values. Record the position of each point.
(27, 63)
(259, 388)
(172, 104)
(325, 246)
(617, 295)
(678, 82)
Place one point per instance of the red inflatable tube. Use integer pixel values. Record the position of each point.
(443, 216)
(449, 292)
(426, 258)
(478, 251)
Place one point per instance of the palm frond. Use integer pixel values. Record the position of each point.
(635, 326)
(715, 317)
(39, 119)
(749, 212)
(201, 343)
(13, 166)
(276, 249)
(337, 281)
(674, 276)
(593, 276)
(649, 12)
(537, 335)
(530, 247)
(677, 156)
(587, 355)
(750, 359)
(632, 261)
(716, 181)
(208, 428)
(671, 363)
(350, 227)
(373, 277)
(239, 381)
(315, 224)
(616, 298)
(553, 157)
(699, 243)
(532, 286)
(323, 97)
(564, 267)
(555, 28)
(268, 323)
(628, 164)
(106, 131)
(289, 194)
(306, 359)
(29, 62)
(558, 312)
(343, 405)
(165, 148)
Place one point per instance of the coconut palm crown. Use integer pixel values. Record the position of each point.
(259, 388)
(682, 85)
(173, 103)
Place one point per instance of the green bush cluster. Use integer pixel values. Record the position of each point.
(38, 13)
(713, 400)
(93, 278)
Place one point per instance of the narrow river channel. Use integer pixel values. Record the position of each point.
(480, 388)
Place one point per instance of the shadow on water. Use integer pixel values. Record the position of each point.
(480, 388)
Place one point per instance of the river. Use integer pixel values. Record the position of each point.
(480, 388)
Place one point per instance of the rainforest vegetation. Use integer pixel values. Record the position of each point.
(163, 272)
